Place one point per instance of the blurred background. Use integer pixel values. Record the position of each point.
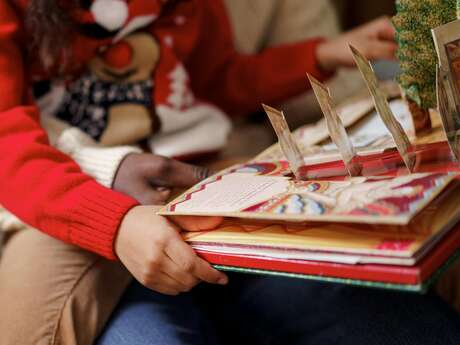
(259, 24)
(355, 12)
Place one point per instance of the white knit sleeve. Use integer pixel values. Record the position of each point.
(95, 160)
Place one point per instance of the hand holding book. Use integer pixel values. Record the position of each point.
(152, 249)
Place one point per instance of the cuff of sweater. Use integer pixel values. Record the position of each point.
(96, 218)
(103, 163)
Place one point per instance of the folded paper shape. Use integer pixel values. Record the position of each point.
(335, 126)
(381, 104)
(286, 140)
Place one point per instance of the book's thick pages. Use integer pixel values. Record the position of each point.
(336, 242)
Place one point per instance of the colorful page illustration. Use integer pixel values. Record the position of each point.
(335, 242)
(270, 196)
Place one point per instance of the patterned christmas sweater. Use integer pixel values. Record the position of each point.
(155, 70)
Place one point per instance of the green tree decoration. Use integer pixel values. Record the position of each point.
(417, 55)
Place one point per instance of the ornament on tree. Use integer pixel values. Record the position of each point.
(417, 55)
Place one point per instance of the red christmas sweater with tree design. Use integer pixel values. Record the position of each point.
(45, 188)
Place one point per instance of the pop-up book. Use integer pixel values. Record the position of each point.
(374, 206)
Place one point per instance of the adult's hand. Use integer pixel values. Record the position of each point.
(151, 248)
(148, 178)
(375, 40)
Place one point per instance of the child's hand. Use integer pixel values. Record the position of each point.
(194, 223)
(376, 40)
(148, 178)
(152, 249)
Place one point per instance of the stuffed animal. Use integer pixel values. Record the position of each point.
(113, 101)
(137, 87)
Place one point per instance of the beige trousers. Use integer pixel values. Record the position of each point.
(54, 293)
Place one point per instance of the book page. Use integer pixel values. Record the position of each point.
(336, 242)
(233, 193)
(261, 192)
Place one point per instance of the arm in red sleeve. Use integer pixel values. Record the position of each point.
(240, 83)
(39, 184)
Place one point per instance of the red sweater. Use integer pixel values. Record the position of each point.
(46, 189)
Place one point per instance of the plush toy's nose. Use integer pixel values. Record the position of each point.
(119, 55)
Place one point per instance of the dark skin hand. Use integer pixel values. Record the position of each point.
(149, 178)
(150, 246)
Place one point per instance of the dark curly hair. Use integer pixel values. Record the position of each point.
(50, 26)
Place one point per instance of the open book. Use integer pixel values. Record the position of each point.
(366, 226)
(391, 220)
(241, 193)
(387, 229)
(368, 214)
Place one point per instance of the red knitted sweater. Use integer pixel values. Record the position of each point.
(46, 188)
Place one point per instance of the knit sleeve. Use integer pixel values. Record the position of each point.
(239, 83)
(40, 185)
(95, 160)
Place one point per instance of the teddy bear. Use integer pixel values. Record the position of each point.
(112, 102)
